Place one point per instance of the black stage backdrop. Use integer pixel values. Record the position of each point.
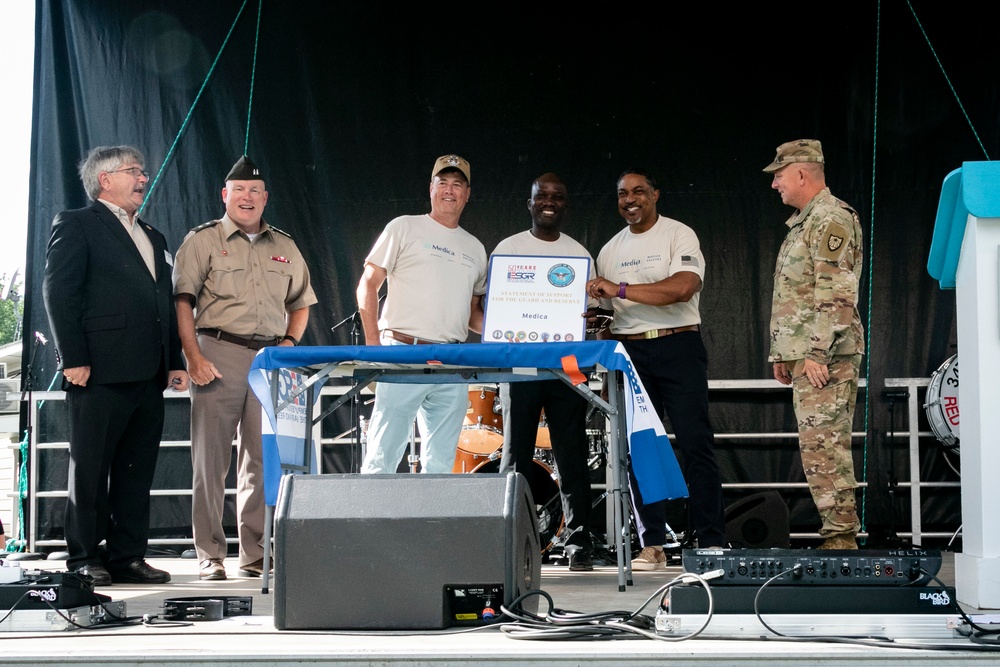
(352, 103)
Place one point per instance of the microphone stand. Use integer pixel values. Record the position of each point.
(27, 387)
(359, 430)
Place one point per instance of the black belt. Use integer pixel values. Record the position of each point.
(242, 341)
(655, 333)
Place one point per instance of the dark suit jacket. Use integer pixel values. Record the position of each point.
(105, 309)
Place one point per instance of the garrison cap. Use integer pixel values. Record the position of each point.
(244, 170)
(452, 162)
(801, 150)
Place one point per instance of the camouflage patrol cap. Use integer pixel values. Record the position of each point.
(244, 170)
(801, 150)
(452, 162)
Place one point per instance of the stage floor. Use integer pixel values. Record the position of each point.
(242, 640)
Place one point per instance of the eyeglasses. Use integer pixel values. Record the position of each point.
(134, 172)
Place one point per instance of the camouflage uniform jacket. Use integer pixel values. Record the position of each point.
(814, 311)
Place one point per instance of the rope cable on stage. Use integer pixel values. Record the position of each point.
(871, 276)
(201, 90)
(871, 227)
(20, 544)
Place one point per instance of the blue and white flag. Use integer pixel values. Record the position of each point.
(653, 461)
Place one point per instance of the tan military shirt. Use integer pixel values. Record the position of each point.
(814, 310)
(241, 286)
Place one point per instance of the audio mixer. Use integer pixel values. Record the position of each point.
(891, 567)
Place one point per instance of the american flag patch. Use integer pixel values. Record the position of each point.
(688, 260)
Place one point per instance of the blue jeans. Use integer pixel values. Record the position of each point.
(439, 410)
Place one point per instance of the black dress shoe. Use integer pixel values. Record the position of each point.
(140, 572)
(98, 575)
(579, 560)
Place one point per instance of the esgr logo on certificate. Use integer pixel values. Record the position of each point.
(521, 273)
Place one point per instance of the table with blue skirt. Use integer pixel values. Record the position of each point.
(635, 429)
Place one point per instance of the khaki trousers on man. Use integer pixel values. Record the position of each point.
(220, 410)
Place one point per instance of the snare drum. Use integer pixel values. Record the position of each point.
(482, 432)
(942, 404)
(545, 492)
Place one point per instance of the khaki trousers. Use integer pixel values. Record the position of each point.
(221, 410)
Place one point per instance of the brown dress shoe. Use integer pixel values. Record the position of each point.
(254, 569)
(212, 569)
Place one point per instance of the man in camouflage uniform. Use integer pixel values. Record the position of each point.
(816, 335)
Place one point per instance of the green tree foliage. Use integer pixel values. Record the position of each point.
(11, 310)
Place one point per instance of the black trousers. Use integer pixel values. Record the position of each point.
(566, 414)
(114, 439)
(674, 371)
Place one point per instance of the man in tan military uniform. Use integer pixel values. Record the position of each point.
(816, 335)
(239, 285)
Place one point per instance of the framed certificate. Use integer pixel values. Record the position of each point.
(536, 299)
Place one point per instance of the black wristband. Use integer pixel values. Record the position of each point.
(295, 341)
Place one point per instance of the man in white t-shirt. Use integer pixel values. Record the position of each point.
(437, 276)
(651, 275)
(565, 410)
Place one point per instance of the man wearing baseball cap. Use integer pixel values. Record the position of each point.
(436, 272)
(816, 335)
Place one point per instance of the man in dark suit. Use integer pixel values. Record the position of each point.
(108, 292)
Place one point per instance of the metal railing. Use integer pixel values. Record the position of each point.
(914, 485)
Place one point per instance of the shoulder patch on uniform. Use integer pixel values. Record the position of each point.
(207, 225)
(834, 243)
(280, 231)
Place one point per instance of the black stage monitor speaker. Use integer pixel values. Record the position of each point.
(402, 552)
(759, 521)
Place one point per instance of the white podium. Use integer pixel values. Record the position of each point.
(965, 256)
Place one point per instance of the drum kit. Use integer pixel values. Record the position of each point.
(480, 447)
(482, 432)
(942, 404)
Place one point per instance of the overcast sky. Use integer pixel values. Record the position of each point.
(17, 56)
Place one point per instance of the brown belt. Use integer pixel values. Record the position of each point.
(242, 341)
(409, 340)
(655, 333)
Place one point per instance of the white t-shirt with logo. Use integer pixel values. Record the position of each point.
(526, 244)
(668, 247)
(433, 272)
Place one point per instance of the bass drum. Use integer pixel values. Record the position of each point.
(482, 432)
(942, 404)
(545, 492)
